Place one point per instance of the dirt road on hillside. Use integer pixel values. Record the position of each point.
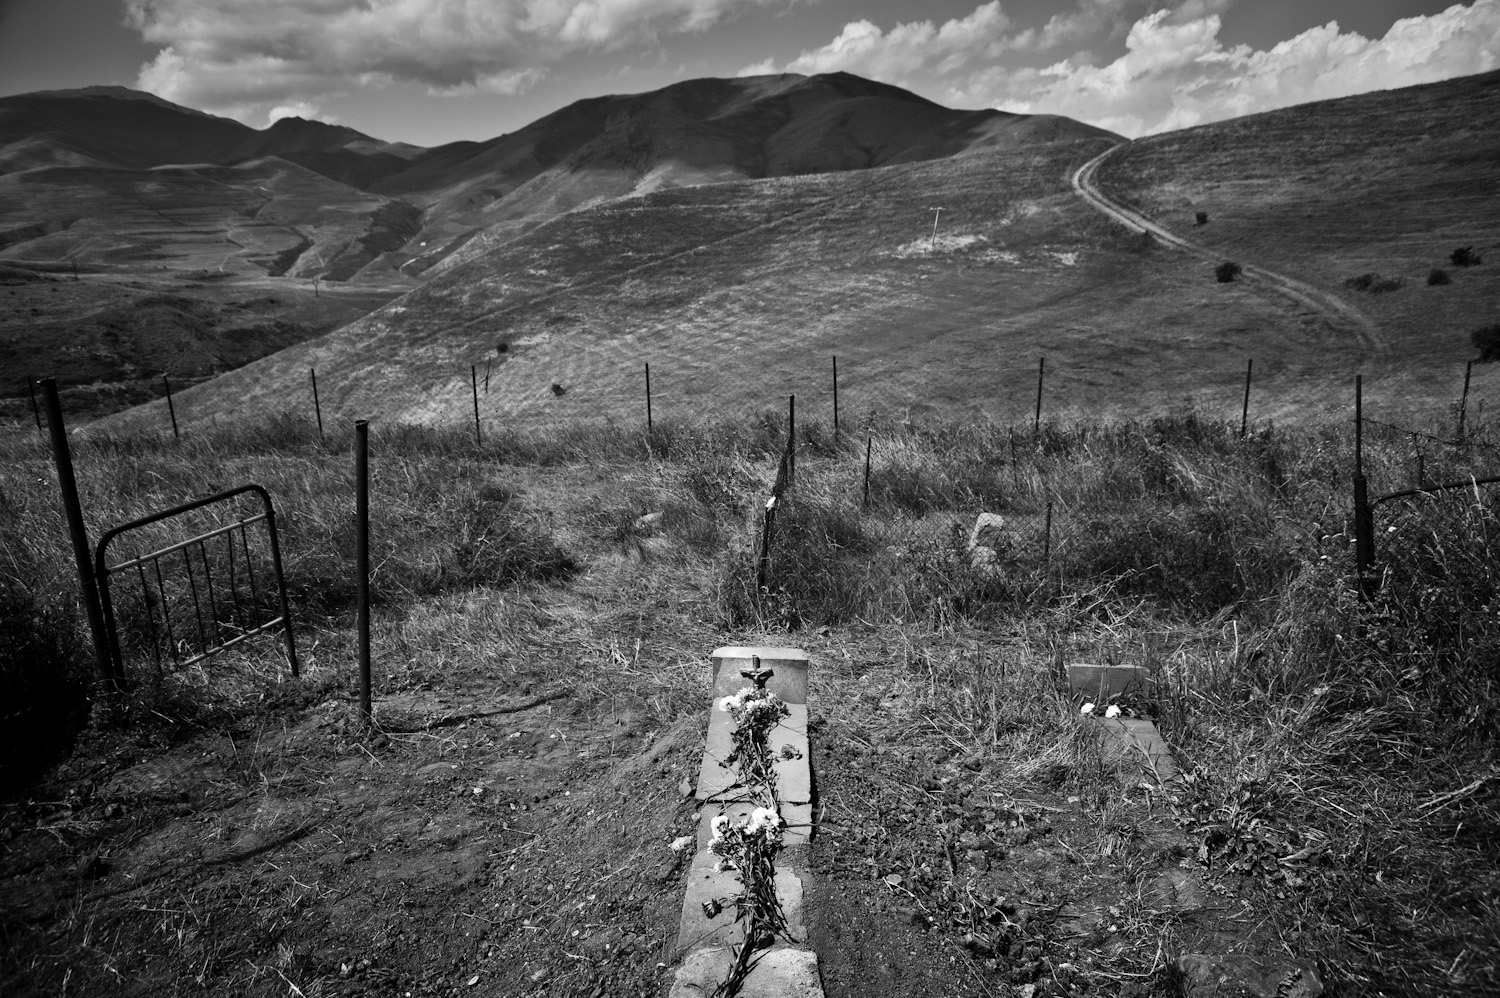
(1339, 313)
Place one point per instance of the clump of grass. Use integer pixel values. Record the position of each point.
(1375, 284)
(1227, 271)
(1437, 276)
(1486, 340)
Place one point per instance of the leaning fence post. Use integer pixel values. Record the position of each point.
(171, 409)
(1245, 412)
(1036, 422)
(1047, 538)
(35, 412)
(474, 383)
(62, 457)
(362, 559)
(486, 376)
(317, 407)
(1463, 403)
(648, 398)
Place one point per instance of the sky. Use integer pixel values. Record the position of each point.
(435, 71)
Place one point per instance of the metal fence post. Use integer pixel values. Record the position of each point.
(474, 384)
(1245, 412)
(171, 409)
(362, 559)
(835, 398)
(1463, 403)
(1036, 422)
(648, 398)
(791, 439)
(62, 457)
(317, 407)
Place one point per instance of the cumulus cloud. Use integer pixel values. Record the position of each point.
(239, 56)
(298, 109)
(1176, 73)
(864, 48)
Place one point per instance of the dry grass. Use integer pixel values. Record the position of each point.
(1341, 755)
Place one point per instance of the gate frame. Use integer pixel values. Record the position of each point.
(102, 572)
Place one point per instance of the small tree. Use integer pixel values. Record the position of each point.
(1465, 256)
(1438, 276)
(1487, 341)
(1202, 218)
(1227, 271)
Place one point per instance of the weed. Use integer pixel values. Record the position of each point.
(1227, 271)
(1465, 256)
(1437, 276)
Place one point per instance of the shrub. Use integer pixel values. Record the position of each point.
(1202, 218)
(1227, 271)
(1438, 276)
(1487, 342)
(1465, 256)
(43, 684)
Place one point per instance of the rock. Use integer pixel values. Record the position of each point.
(1245, 976)
(988, 532)
(647, 524)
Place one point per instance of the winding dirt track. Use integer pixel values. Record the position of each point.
(1339, 313)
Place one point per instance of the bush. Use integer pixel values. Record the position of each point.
(1438, 276)
(1465, 256)
(1227, 271)
(1487, 341)
(1202, 218)
(44, 679)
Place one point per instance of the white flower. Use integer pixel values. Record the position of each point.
(720, 824)
(1112, 711)
(1087, 708)
(764, 816)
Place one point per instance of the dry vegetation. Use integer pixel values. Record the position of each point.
(541, 675)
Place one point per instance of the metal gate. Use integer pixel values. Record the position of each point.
(235, 608)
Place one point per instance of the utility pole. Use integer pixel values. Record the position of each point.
(937, 214)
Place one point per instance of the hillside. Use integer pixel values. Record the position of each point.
(737, 294)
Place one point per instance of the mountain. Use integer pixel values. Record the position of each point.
(738, 293)
(695, 132)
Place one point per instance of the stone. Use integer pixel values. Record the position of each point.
(1134, 742)
(697, 928)
(647, 524)
(798, 818)
(1103, 683)
(1245, 976)
(778, 973)
(988, 532)
(788, 665)
(793, 776)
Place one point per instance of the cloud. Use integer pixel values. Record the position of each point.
(244, 56)
(862, 47)
(297, 109)
(1176, 73)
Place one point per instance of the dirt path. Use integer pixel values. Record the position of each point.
(1339, 313)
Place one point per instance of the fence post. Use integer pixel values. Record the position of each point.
(62, 457)
(867, 473)
(1463, 403)
(1364, 518)
(1047, 538)
(35, 412)
(791, 439)
(648, 399)
(1036, 422)
(286, 610)
(362, 559)
(317, 407)
(487, 376)
(171, 409)
(474, 383)
(1245, 412)
(835, 398)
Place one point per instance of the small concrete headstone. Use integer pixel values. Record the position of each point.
(988, 532)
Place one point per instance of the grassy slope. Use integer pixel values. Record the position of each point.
(1341, 807)
(1388, 182)
(738, 293)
